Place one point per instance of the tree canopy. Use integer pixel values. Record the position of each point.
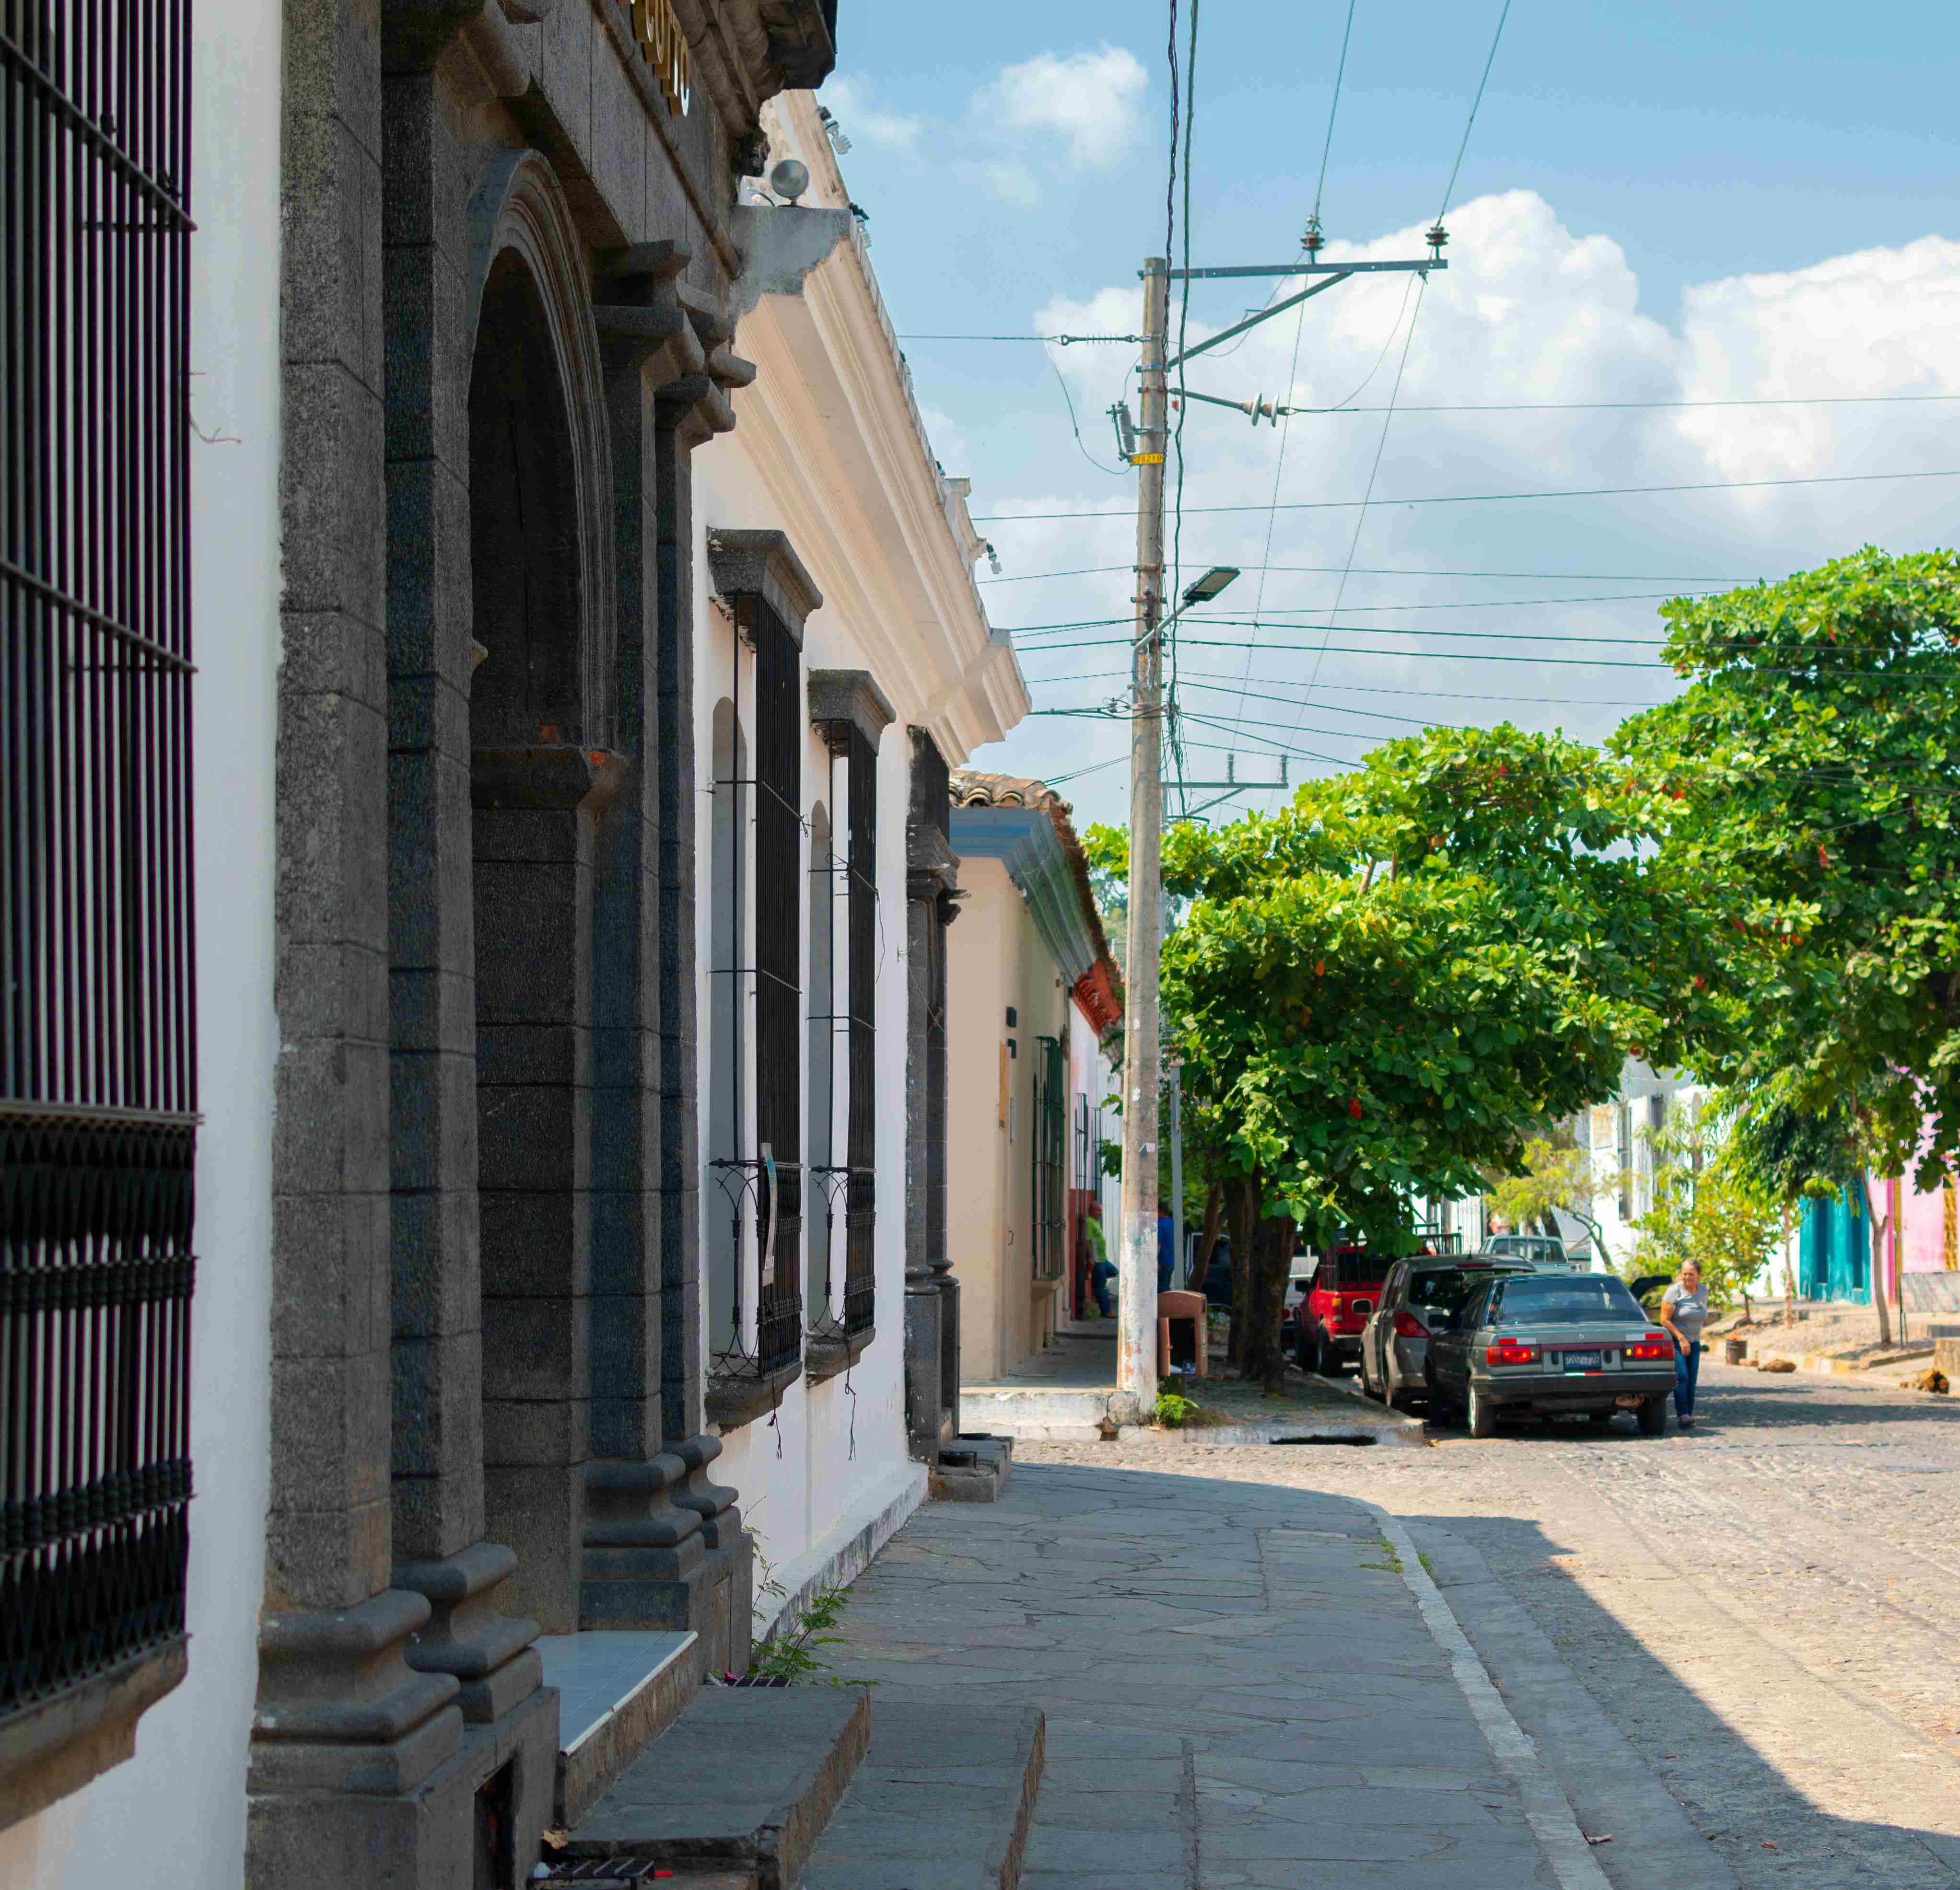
(1384, 986)
(1812, 779)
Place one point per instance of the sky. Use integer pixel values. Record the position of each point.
(1657, 205)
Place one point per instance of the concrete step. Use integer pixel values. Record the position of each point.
(973, 1468)
(942, 1801)
(741, 1785)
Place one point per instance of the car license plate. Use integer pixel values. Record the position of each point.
(1585, 1361)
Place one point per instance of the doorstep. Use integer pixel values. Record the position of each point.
(618, 1689)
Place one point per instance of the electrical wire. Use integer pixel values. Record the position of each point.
(1115, 471)
(1299, 334)
(1402, 570)
(1492, 498)
(1449, 188)
(1183, 405)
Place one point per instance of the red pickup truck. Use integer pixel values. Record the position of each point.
(1336, 1309)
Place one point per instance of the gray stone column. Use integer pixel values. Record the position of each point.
(648, 1559)
(668, 370)
(438, 1404)
(931, 890)
(351, 1748)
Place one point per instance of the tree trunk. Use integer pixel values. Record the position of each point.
(1881, 1248)
(1272, 1262)
(1788, 1274)
(1238, 1199)
(1214, 1209)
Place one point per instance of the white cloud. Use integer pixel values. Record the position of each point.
(858, 117)
(1089, 100)
(1529, 312)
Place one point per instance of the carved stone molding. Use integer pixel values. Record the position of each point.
(842, 700)
(519, 206)
(764, 564)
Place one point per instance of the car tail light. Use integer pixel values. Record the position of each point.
(1408, 1326)
(1509, 1351)
(1648, 1345)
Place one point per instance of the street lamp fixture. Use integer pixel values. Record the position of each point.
(1202, 590)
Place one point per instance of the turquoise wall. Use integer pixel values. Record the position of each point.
(1835, 1256)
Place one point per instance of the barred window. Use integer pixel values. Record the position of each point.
(757, 932)
(1049, 1144)
(861, 1210)
(98, 1110)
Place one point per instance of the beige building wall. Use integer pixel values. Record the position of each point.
(997, 959)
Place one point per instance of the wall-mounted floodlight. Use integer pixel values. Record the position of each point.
(790, 178)
(1202, 590)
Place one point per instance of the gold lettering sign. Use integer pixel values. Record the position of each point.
(657, 32)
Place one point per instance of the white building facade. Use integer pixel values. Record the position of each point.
(530, 832)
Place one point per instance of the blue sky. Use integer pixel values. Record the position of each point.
(1724, 203)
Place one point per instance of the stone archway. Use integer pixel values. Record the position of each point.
(542, 775)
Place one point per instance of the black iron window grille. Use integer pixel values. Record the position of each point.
(1049, 1143)
(849, 1187)
(98, 1109)
(932, 805)
(761, 1177)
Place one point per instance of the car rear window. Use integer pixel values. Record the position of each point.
(1357, 1266)
(1444, 1291)
(1553, 1299)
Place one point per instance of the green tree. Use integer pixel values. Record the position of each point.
(1383, 988)
(1807, 779)
(1552, 1176)
(1707, 1205)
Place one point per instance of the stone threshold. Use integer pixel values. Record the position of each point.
(618, 1689)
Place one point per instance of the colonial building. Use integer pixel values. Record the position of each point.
(560, 1075)
(1039, 993)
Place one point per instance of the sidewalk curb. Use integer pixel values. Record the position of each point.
(1814, 1364)
(1546, 1807)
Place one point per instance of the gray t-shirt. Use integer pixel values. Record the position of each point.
(1688, 1310)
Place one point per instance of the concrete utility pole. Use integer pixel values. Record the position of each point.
(1137, 1269)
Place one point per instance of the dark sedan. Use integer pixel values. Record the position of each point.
(1547, 1344)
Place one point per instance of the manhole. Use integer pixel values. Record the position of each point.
(1344, 1436)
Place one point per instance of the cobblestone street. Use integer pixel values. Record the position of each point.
(1763, 1615)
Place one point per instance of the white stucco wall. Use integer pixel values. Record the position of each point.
(834, 1461)
(173, 1817)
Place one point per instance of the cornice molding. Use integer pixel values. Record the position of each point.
(840, 700)
(764, 564)
(1024, 840)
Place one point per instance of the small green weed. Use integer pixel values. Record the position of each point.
(1174, 1410)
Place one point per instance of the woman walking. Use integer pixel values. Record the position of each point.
(1684, 1311)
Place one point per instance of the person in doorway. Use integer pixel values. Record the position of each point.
(1684, 1311)
(1102, 1269)
(1166, 1248)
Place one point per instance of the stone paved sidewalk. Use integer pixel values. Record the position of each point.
(1239, 1687)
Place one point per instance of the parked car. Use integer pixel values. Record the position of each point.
(1542, 1250)
(1420, 1296)
(1546, 1344)
(1339, 1300)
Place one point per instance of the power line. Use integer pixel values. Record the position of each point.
(1449, 188)
(1399, 570)
(1492, 498)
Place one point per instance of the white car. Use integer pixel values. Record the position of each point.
(1543, 1251)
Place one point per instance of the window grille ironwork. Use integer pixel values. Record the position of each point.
(1048, 1143)
(761, 1177)
(861, 1216)
(851, 1184)
(98, 1108)
(931, 805)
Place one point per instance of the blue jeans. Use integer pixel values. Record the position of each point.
(1687, 1369)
